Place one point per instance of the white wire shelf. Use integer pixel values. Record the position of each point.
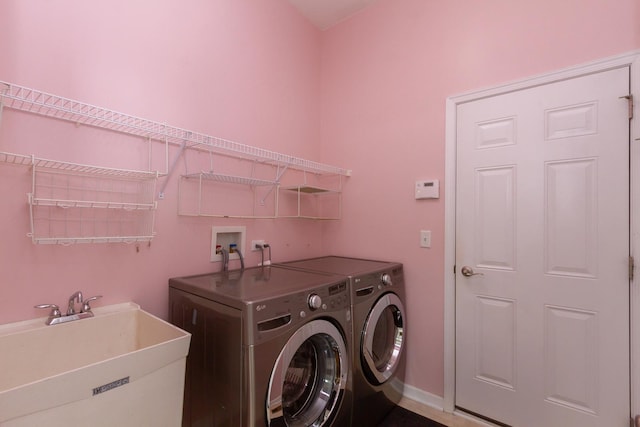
(46, 104)
(17, 159)
(74, 168)
(66, 241)
(314, 217)
(309, 189)
(215, 195)
(53, 223)
(74, 203)
(310, 202)
(90, 204)
(229, 179)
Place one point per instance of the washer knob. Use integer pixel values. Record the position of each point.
(386, 279)
(315, 302)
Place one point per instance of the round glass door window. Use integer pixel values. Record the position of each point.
(309, 378)
(383, 338)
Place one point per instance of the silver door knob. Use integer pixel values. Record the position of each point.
(468, 272)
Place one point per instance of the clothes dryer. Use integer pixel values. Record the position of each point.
(269, 348)
(377, 298)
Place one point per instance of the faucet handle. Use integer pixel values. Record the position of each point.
(85, 304)
(55, 310)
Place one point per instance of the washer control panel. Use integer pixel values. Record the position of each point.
(286, 309)
(334, 297)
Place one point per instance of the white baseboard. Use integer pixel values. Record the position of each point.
(432, 406)
(423, 397)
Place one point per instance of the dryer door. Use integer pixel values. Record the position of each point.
(382, 340)
(309, 378)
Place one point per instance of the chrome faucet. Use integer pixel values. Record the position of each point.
(72, 300)
(55, 316)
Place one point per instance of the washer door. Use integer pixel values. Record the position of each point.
(383, 339)
(309, 378)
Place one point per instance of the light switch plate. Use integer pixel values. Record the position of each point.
(425, 238)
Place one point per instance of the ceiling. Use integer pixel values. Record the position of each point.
(326, 13)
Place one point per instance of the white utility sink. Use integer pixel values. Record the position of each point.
(122, 367)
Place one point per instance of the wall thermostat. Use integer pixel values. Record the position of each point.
(429, 189)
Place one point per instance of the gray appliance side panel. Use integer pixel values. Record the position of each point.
(214, 373)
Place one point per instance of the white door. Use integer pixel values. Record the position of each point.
(542, 221)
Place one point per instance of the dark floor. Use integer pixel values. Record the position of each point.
(400, 417)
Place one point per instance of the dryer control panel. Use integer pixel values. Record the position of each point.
(372, 284)
(269, 316)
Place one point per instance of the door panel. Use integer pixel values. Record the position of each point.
(495, 223)
(542, 217)
(495, 334)
(572, 355)
(571, 226)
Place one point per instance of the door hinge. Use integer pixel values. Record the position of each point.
(631, 267)
(629, 99)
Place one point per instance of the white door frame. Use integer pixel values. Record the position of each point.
(631, 59)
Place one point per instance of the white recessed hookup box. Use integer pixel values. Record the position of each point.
(428, 189)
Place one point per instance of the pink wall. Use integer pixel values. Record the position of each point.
(243, 70)
(385, 76)
(368, 95)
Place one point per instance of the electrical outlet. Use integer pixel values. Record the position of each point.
(425, 238)
(256, 244)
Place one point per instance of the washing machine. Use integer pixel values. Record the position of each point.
(378, 360)
(269, 348)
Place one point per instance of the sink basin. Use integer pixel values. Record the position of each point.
(121, 367)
